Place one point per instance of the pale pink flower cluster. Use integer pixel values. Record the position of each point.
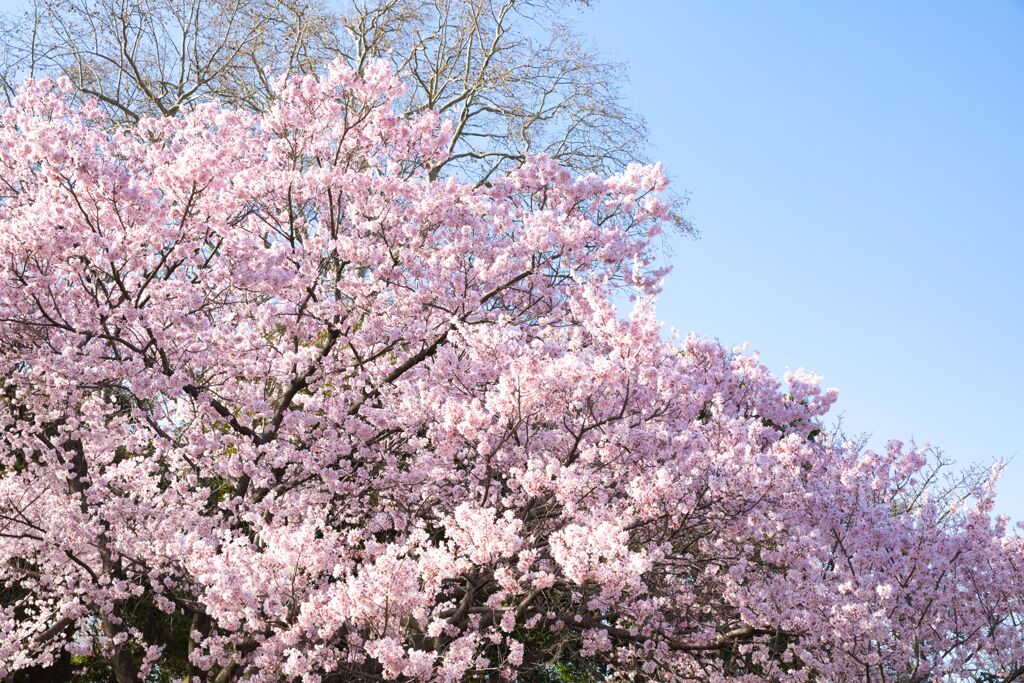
(482, 536)
(599, 554)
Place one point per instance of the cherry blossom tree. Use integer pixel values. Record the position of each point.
(279, 404)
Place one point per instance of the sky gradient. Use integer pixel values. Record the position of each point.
(856, 171)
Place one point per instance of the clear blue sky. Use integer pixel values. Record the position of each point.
(856, 171)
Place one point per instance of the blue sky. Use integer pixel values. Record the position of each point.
(856, 171)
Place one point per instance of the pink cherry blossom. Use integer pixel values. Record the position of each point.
(343, 421)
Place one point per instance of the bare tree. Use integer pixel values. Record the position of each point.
(511, 74)
(141, 57)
